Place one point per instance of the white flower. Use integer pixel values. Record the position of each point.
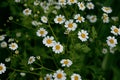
(17, 1)
(36, 3)
(48, 41)
(92, 18)
(62, 2)
(107, 9)
(41, 32)
(2, 68)
(3, 44)
(44, 19)
(79, 18)
(48, 77)
(59, 19)
(111, 41)
(105, 18)
(90, 5)
(7, 59)
(75, 77)
(36, 23)
(10, 40)
(57, 48)
(71, 2)
(59, 75)
(83, 35)
(22, 74)
(2, 37)
(27, 12)
(13, 46)
(112, 50)
(31, 60)
(104, 50)
(70, 25)
(115, 30)
(66, 62)
(115, 18)
(10, 18)
(81, 6)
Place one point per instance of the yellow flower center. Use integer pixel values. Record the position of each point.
(57, 47)
(107, 9)
(41, 32)
(26, 11)
(79, 18)
(66, 62)
(71, 1)
(116, 30)
(47, 78)
(31, 59)
(1, 68)
(76, 78)
(59, 75)
(70, 25)
(12, 46)
(62, 1)
(59, 19)
(81, 5)
(111, 41)
(83, 35)
(49, 41)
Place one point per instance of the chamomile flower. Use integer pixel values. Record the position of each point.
(59, 19)
(59, 75)
(115, 30)
(62, 2)
(27, 12)
(44, 19)
(79, 18)
(83, 35)
(92, 18)
(111, 41)
(48, 77)
(48, 41)
(3, 44)
(70, 25)
(41, 32)
(31, 60)
(105, 18)
(71, 2)
(75, 77)
(2, 68)
(36, 3)
(107, 9)
(57, 48)
(81, 6)
(66, 62)
(90, 5)
(2, 37)
(13, 46)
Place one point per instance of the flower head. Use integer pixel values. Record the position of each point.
(83, 35)
(79, 18)
(31, 60)
(107, 9)
(71, 2)
(48, 41)
(81, 6)
(90, 5)
(59, 75)
(27, 12)
(57, 48)
(41, 32)
(48, 77)
(2, 68)
(75, 77)
(66, 62)
(111, 41)
(105, 18)
(59, 19)
(115, 30)
(13, 46)
(44, 19)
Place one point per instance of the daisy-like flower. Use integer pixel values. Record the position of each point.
(57, 48)
(75, 77)
(44, 19)
(3, 44)
(111, 41)
(79, 18)
(71, 2)
(81, 6)
(13, 46)
(90, 5)
(2, 68)
(70, 25)
(115, 30)
(27, 12)
(66, 62)
(59, 75)
(83, 35)
(62, 2)
(114, 18)
(36, 3)
(59, 19)
(31, 60)
(48, 77)
(41, 32)
(2, 37)
(104, 50)
(105, 18)
(107, 9)
(92, 18)
(48, 41)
